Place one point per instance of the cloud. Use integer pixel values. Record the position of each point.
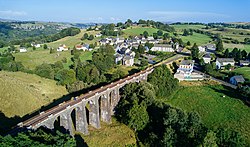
(115, 19)
(175, 15)
(8, 13)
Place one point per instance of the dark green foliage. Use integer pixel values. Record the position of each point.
(226, 54)
(219, 45)
(141, 49)
(65, 77)
(91, 37)
(45, 46)
(104, 58)
(229, 138)
(88, 73)
(85, 36)
(166, 36)
(188, 43)
(45, 70)
(144, 62)
(39, 138)
(195, 52)
(76, 86)
(208, 68)
(7, 62)
(163, 81)
(149, 45)
(145, 34)
(159, 32)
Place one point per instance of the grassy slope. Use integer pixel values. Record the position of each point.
(199, 39)
(245, 71)
(231, 46)
(180, 28)
(215, 111)
(139, 30)
(115, 134)
(22, 93)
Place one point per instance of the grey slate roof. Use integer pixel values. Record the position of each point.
(239, 79)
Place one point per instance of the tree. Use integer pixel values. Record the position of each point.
(144, 62)
(149, 45)
(185, 33)
(159, 32)
(163, 81)
(138, 117)
(65, 76)
(195, 52)
(45, 46)
(248, 56)
(166, 36)
(188, 43)
(145, 34)
(104, 59)
(210, 139)
(226, 54)
(244, 54)
(91, 37)
(208, 68)
(45, 70)
(219, 46)
(238, 56)
(155, 35)
(228, 66)
(85, 36)
(141, 49)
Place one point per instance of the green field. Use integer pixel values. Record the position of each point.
(231, 46)
(22, 93)
(115, 134)
(139, 30)
(214, 109)
(197, 38)
(245, 71)
(71, 41)
(33, 58)
(180, 28)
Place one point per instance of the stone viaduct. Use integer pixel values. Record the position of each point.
(89, 108)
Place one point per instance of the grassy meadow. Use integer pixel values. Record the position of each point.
(135, 31)
(180, 28)
(214, 109)
(23, 93)
(114, 134)
(245, 71)
(199, 39)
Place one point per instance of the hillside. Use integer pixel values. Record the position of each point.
(215, 110)
(22, 93)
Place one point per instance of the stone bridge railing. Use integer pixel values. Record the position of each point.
(99, 104)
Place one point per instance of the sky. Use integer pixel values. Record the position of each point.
(111, 11)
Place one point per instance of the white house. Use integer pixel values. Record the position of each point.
(244, 62)
(22, 50)
(221, 62)
(82, 47)
(210, 47)
(202, 49)
(62, 48)
(36, 45)
(128, 60)
(207, 58)
(235, 80)
(98, 35)
(162, 48)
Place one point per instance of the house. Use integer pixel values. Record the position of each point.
(210, 48)
(162, 48)
(128, 60)
(118, 57)
(202, 49)
(221, 62)
(185, 72)
(104, 41)
(62, 48)
(22, 50)
(98, 35)
(207, 58)
(235, 80)
(36, 45)
(244, 62)
(82, 47)
(186, 67)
